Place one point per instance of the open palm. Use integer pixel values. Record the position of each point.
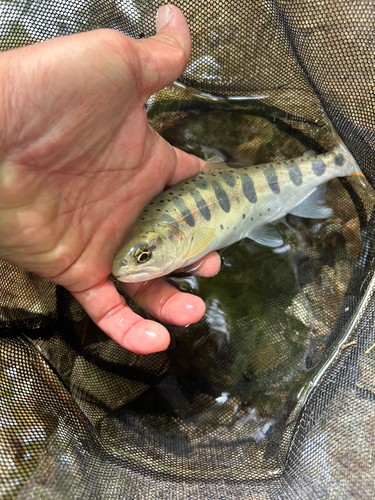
(78, 162)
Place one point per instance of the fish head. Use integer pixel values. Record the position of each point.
(151, 249)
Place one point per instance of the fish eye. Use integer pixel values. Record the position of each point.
(143, 254)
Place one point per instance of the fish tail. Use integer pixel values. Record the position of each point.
(358, 172)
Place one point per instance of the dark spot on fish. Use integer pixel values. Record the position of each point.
(221, 196)
(185, 212)
(248, 188)
(143, 218)
(201, 184)
(221, 226)
(161, 201)
(251, 218)
(268, 209)
(158, 210)
(171, 194)
(318, 166)
(243, 216)
(339, 160)
(201, 204)
(295, 173)
(186, 182)
(260, 215)
(151, 202)
(229, 178)
(271, 176)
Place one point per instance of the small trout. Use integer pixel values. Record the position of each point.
(217, 208)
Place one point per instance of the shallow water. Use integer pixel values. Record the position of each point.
(274, 316)
(222, 403)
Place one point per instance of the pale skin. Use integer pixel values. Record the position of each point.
(78, 162)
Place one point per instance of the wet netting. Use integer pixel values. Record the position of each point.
(272, 394)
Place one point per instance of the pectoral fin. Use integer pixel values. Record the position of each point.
(313, 207)
(201, 239)
(267, 235)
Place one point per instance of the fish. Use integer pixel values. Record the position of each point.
(214, 209)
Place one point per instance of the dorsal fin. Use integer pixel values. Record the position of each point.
(215, 160)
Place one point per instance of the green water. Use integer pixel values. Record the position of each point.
(272, 314)
(223, 401)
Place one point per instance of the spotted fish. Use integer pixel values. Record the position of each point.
(217, 208)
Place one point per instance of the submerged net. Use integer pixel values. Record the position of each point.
(271, 394)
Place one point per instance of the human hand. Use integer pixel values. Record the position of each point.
(78, 162)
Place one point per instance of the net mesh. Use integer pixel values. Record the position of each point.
(271, 394)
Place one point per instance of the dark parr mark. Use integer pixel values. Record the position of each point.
(295, 173)
(271, 176)
(167, 218)
(201, 183)
(229, 178)
(184, 211)
(339, 160)
(201, 204)
(318, 166)
(248, 188)
(221, 196)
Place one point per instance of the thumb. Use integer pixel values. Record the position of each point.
(164, 56)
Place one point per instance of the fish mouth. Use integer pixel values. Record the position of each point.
(135, 277)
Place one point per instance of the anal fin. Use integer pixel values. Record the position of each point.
(313, 207)
(267, 235)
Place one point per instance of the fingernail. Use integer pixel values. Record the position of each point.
(163, 16)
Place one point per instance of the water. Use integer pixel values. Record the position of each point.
(274, 316)
(223, 401)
